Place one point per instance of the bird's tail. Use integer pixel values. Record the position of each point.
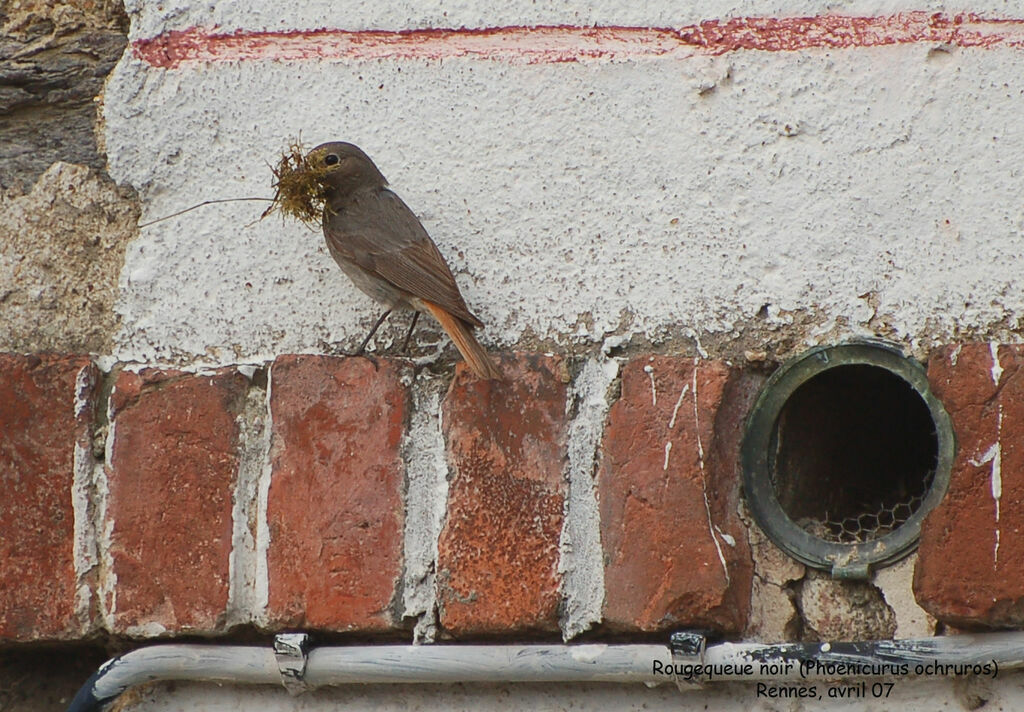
(477, 358)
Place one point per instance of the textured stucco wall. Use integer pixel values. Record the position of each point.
(751, 200)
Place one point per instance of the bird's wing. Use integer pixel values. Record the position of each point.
(378, 232)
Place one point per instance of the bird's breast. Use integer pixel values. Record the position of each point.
(370, 284)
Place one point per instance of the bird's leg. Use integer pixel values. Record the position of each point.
(362, 346)
(405, 344)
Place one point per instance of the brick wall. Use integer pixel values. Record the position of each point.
(158, 502)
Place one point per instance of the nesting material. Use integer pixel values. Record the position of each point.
(299, 185)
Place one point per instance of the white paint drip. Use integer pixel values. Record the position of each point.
(695, 335)
(994, 455)
(649, 370)
(679, 402)
(703, 475)
(672, 423)
(727, 538)
(426, 505)
(581, 561)
(997, 369)
(954, 355)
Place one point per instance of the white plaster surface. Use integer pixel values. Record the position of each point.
(876, 187)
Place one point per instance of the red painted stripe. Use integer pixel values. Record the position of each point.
(546, 44)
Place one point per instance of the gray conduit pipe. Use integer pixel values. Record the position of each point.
(686, 661)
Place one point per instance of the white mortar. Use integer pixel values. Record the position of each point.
(581, 561)
(426, 503)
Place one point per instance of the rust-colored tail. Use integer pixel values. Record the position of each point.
(461, 335)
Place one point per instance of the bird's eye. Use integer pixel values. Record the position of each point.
(331, 159)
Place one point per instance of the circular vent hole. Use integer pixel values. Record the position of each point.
(855, 452)
(845, 452)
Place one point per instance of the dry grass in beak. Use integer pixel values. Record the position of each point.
(299, 185)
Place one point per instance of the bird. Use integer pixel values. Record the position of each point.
(380, 244)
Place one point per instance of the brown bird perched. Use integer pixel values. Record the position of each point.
(381, 245)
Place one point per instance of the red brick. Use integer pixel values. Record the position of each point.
(39, 429)
(172, 473)
(664, 465)
(335, 506)
(960, 578)
(498, 551)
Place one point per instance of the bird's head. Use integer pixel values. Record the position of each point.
(345, 169)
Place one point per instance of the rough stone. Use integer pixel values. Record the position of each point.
(498, 551)
(173, 464)
(335, 506)
(54, 58)
(844, 610)
(62, 248)
(675, 549)
(42, 420)
(970, 567)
